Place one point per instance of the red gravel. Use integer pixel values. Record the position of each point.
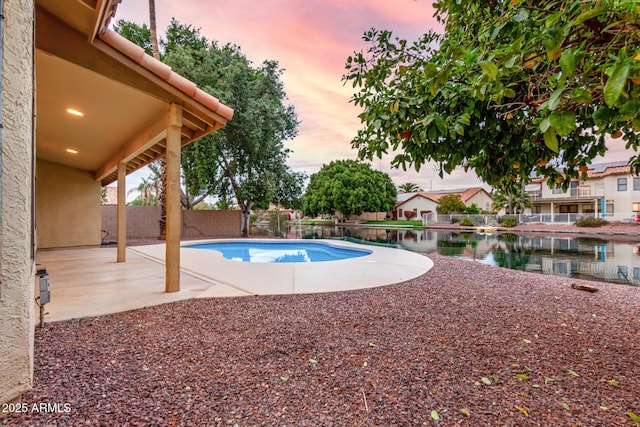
(502, 344)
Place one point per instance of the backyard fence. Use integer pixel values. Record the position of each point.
(143, 222)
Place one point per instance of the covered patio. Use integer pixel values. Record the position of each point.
(89, 282)
(105, 109)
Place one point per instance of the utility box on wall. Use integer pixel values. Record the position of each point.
(43, 279)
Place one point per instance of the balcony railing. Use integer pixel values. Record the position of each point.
(574, 193)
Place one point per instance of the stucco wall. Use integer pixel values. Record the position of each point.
(418, 204)
(482, 200)
(67, 207)
(142, 223)
(17, 314)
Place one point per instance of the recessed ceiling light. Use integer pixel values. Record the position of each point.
(75, 112)
(72, 151)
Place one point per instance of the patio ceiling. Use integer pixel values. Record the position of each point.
(124, 95)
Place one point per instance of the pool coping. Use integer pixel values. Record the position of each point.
(383, 266)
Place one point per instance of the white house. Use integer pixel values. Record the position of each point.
(610, 191)
(427, 202)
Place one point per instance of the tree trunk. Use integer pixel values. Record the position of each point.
(152, 29)
(245, 208)
(162, 162)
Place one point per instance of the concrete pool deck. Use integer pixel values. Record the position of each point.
(383, 266)
(89, 282)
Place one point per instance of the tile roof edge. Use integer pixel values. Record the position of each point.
(140, 57)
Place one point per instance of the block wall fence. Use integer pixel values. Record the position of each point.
(143, 223)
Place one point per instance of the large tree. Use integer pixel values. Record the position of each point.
(349, 187)
(509, 88)
(247, 158)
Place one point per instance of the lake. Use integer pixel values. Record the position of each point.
(582, 257)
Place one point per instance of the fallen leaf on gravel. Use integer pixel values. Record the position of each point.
(486, 380)
(634, 417)
(526, 341)
(613, 383)
(187, 388)
(372, 345)
(365, 364)
(284, 379)
(566, 406)
(522, 376)
(604, 408)
(465, 412)
(572, 372)
(435, 415)
(524, 411)
(313, 361)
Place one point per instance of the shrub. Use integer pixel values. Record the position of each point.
(473, 209)
(454, 220)
(466, 221)
(509, 221)
(591, 222)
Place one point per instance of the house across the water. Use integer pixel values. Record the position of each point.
(415, 205)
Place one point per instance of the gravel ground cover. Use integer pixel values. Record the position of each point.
(465, 344)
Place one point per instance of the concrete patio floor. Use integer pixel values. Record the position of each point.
(89, 282)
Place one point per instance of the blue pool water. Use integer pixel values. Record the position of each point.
(260, 251)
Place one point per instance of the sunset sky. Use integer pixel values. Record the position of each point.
(311, 40)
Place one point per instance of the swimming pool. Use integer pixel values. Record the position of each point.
(281, 252)
(382, 266)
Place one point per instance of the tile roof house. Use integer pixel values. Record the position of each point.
(609, 191)
(427, 201)
(81, 107)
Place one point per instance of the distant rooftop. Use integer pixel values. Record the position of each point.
(464, 193)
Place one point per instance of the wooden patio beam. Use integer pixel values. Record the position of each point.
(174, 207)
(143, 141)
(122, 213)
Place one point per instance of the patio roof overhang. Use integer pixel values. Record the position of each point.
(123, 94)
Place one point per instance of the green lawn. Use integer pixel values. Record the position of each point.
(412, 223)
(317, 221)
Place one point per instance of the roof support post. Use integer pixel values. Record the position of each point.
(174, 208)
(122, 212)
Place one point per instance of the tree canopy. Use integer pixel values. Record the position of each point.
(509, 89)
(246, 159)
(349, 187)
(450, 203)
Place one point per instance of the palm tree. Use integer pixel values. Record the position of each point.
(409, 187)
(152, 29)
(162, 162)
(512, 198)
(148, 189)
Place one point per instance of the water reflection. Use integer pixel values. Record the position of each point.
(582, 257)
